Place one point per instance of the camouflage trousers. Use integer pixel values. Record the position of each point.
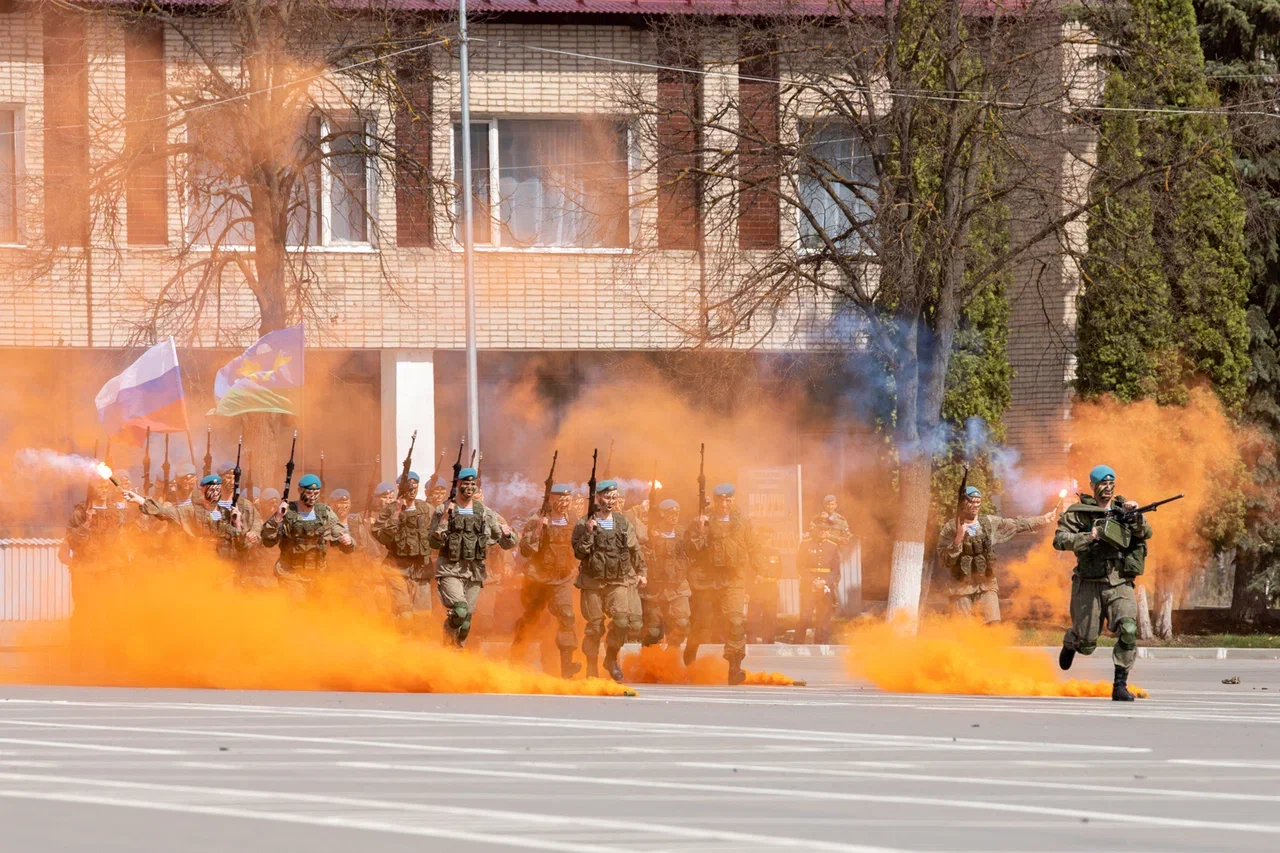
(665, 613)
(719, 607)
(985, 604)
(620, 605)
(459, 597)
(1094, 603)
(553, 598)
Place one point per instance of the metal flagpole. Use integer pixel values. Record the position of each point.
(468, 237)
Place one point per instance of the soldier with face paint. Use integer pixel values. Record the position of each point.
(724, 555)
(550, 568)
(94, 531)
(403, 528)
(463, 532)
(1102, 584)
(611, 567)
(222, 527)
(665, 598)
(304, 531)
(965, 552)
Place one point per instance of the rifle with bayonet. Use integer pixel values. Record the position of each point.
(235, 475)
(146, 465)
(435, 475)
(404, 490)
(208, 451)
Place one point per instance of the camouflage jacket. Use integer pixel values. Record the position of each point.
(724, 554)
(607, 556)
(304, 541)
(971, 565)
(463, 540)
(1097, 560)
(548, 550)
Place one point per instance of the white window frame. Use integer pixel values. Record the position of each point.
(862, 250)
(495, 212)
(19, 170)
(326, 242)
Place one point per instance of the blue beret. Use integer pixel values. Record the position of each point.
(972, 492)
(1100, 473)
(211, 480)
(226, 465)
(607, 486)
(257, 493)
(413, 475)
(310, 481)
(827, 498)
(467, 474)
(270, 495)
(383, 488)
(339, 493)
(184, 470)
(724, 490)
(668, 504)
(561, 489)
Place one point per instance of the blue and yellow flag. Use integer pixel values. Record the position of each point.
(267, 378)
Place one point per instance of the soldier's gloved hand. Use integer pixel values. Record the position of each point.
(1130, 506)
(345, 539)
(282, 509)
(642, 581)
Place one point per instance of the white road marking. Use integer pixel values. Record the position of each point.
(1217, 762)
(237, 735)
(834, 796)
(91, 747)
(570, 822)
(983, 780)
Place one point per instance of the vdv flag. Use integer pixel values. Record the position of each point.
(147, 394)
(267, 378)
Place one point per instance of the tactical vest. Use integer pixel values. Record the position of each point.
(610, 559)
(1100, 559)
(977, 559)
(667, 565)
(302, 543)
(727, 543)
(465, 537)
(413, 532)
(555, 552)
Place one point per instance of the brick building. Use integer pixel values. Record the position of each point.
(559, 288)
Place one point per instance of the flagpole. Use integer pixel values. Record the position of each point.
(190, 447)
(468, 234)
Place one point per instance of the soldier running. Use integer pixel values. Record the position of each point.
(550, 567)
(304, 531)
(665, 598)
(404, 529)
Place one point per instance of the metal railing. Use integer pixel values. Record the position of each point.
(34, 584)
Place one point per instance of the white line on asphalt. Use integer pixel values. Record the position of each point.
(92, 747)
(836, 796)
(781, 734)
(258, 736)
(1215, 762)
(1130, 790)
(572, 822)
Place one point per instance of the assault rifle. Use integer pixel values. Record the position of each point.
(146, 465)
(405, 491)
(208, 451)
(551, 481)
(435, 475)
(164, 471)
(248, 480)
(591, 486)
(235, 475)
(288, 468)
(457, 474)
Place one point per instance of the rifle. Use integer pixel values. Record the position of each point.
(164, 471)
(551, 481)
(373, 480)
(435, 475)
(591, 486)
(608, 462)
(321, 466)
(208, 451)
(961, 497)
(472, 462)
(249, 477)
(88, 492)
(702, 483)
(479, 469)
(405, 490)
(288, 468)
(457, 474)
(146, 465)
(235, 475)
(1113, 526)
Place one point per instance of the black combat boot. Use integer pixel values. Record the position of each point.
(1065, 657)
(736, 675)
(690, 654)
(568, 669)
(611, 664)
(1120, 689)
(593, 667)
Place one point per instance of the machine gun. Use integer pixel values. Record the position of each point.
(550, 481)
(1113, 527)
(405, 491)
(146, 465)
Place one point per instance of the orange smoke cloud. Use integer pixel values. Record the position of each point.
(958, 655)
(664, 665)
(1157, 452)
(186, 624)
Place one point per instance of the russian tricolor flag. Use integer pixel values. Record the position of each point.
(147, 394)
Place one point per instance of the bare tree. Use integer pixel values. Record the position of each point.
(853, 178)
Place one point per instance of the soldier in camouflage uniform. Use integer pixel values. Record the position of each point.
(304, 531)
(463, 532)
(1102, 584)
(830, 524)
(361, 524)
(611, 568)
(550, 566)
(94, 531)
(221, 527)
(665, 598)
(724, 554)
(966, 553)
(404, 529)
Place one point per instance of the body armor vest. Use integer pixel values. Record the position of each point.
(667, 565)
(302, 543)
(725, 542)
(465, 537)
(413, 532)
(554, 558)
(977, 560)
(610, 560)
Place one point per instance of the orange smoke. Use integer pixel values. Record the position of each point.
(1157, 452)
(664, 665)
(186, 624)
(958, 655)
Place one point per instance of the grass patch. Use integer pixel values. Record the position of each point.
(1053, 637)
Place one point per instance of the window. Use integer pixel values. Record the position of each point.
(546, 183)
(333, 192)
(9, 127)
(833, 153)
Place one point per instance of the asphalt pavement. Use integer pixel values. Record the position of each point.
(836, 766)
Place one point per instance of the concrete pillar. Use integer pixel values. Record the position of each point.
(408, 403)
